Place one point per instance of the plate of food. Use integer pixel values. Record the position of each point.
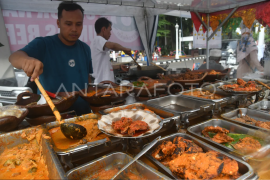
(241, 87)
(130, 123)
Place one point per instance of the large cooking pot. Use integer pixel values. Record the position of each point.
(100, 95)
(186, 82)
(150, 86)
(35, 110)
(149, 71)
(214, 77)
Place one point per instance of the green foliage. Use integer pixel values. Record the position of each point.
(162, 25)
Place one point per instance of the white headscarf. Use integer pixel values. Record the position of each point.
(246, 44)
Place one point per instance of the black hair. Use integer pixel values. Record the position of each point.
(68, 6)
(100, 23)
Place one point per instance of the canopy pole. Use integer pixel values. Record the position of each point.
(223, 22)
(207, 43)
(200, 18)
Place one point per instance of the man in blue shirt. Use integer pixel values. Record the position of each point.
(62, 62)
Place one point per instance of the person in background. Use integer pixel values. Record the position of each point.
(100, 47)
(247, 53)
(61, 62)
(214, 58)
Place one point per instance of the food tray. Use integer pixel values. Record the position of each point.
(241, 92)
(55, 168)
(196, 131)
(109, 161)
(182, 105)
(9, 123)
(168, 120)
(188, 82)
(261, 106)
(244, 168)
(81, 151)
(253, 113)
(212, 77)
(219, 103)
(135, 118)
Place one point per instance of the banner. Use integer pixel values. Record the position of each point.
(199, 38)
(6, 70)
(22, 27)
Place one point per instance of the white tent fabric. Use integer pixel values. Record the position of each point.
(6, 69)
(146, 18)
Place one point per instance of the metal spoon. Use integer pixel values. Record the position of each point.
(149, 146)
(70, 130)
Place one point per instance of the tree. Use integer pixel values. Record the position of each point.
(162, 24)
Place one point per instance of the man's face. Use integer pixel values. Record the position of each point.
(107, 32)
(71, 25)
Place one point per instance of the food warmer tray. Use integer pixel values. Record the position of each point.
(169, 117)
(187, 108)
(196, 131)
(253, 113)
(109, 161)
(82, 151)
(55, 169)
(219, 103)
(244, 168)
(263, 106)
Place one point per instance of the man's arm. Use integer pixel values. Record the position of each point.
(31, 66)
(117, 47)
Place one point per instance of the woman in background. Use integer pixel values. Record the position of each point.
(247, 53)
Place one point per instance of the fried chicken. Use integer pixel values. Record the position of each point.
(230, 167)
(196, 166)
(241, 82)
(128, 126)
(247, 145)
(188, 161)
(242, 86)
(214, 130)
(163, 150)
(263, 124)
(137, 126)
(222, 138)
(122, 125)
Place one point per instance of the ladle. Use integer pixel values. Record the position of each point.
(70, 130)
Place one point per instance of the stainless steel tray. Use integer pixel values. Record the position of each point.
(55, 168)
(244, 168)
(182, 105)
(197, 129)
(117, 159)
(219, 103)
(187, 108)
(81, 151)
(261, 106)
(169, 117)
(255, 114)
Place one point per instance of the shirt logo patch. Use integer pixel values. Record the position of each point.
(71, 63)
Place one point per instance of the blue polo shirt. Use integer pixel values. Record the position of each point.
(66, 68)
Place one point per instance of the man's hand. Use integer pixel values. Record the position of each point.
(32, 67)
(127, 51)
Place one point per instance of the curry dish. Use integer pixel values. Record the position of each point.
(24, 161)
(93, 134)
(188, 161)
(203, 94)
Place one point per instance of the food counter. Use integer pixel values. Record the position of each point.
(197, 125)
